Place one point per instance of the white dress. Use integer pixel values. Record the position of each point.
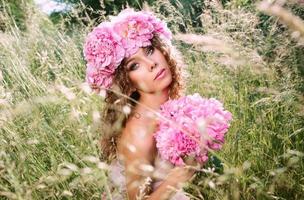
(118, 181)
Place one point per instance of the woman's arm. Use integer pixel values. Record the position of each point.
(174, 180)
(138, 154)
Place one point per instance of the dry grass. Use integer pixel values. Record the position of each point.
(50, 120)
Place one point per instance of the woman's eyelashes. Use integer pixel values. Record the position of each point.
(133, 66)
(149, 51)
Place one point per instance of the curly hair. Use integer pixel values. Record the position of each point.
(113, 117)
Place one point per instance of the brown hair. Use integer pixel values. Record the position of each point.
(114, 118)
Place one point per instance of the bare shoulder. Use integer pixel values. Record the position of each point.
(136, 146)
(137, 139)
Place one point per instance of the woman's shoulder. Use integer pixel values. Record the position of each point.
(141, 126)
(138, 134)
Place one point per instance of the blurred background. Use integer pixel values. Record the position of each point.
(248, 54)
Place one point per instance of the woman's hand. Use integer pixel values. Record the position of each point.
(184, 173)
(180, 175)
(192, 163)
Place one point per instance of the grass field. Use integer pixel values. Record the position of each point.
(50, 121)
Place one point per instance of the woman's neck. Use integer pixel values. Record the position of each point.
(152, 100)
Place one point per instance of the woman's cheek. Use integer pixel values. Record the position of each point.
(143, 86)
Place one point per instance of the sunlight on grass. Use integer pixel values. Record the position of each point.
(50, 121)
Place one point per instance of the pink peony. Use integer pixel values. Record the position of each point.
(99, 77)
(160, 28)
(103, 52)
(180, 135)
(137, 28)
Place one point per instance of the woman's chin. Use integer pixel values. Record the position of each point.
(168, 82)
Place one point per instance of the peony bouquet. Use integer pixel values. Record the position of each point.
(194, 125)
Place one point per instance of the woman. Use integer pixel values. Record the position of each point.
(132, 58)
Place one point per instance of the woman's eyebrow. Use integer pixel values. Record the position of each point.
(129, 61)
(144, 48)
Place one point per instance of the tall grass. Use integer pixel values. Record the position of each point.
(50, 120)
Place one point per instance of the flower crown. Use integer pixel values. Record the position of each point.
(110, 42)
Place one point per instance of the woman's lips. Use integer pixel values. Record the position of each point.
(160, 74)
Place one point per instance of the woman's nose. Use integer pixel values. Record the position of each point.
(151, 64)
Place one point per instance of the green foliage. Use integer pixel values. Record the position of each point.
(50, 125)
(17, 12)
(95, 9)
(189, 11)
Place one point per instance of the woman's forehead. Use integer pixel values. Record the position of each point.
(137, 54)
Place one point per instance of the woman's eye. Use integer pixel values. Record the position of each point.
(133, 66)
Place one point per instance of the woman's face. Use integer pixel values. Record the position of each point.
(149, 70)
